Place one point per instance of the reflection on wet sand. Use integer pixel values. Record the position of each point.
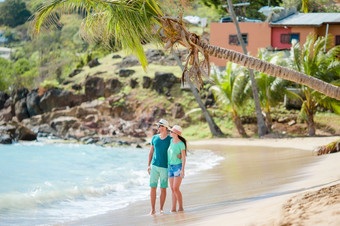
(246, 174)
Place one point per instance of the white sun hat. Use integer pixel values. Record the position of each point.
(163, 122)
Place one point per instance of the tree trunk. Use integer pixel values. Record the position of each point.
(272, 69)
(310, 122)
(261, 125)
(238, 123)
(214, 129)
(268, 120)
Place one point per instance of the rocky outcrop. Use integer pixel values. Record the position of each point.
(94, 88)
(147, 81)
(164, 80)
(93, 63)
(21, 111)
(21, 93)
(133, 83)
(129, 61)
(125, 72)
(3, 99)
(33, 103)
(112, 86)
(75, 72)
(56, 98)
(16, 131)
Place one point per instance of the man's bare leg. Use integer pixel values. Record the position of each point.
(153, 200)
(162, 199)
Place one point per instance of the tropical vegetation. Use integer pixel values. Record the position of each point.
(313, 61)
(231, 93)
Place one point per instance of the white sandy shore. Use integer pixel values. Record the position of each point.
(315, 202)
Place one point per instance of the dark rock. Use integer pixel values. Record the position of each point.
(178, 111)
(129, 61)
(74, 73)
(138, 146)
(112, 86)
(21, 111)
(8, 129)
(57, 98)
(76, 87)
(67, 82)
(133, 83)
(33, 103)
(146, 82)
(168, 61)
(125, 72)
(3, 99)
(116, 56)
(63, 123)
(5, 139)
(25, 133)
(164, 80)
(20, 94)
(94, 88)
(9, 102)
(93, 63)
(154, 55)
(6, 114)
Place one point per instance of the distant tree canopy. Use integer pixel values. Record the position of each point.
(13, 13)
(250, 11)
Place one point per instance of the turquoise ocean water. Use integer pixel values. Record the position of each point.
(44, 183)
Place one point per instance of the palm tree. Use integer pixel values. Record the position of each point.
(214, 129)
(271, 89)
(230, 92)
(311, 60)
(262, 129)
(130, 23)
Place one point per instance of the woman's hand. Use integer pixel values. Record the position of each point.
(179, 156)
(182, 173)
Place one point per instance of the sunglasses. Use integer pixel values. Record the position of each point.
(159, 126)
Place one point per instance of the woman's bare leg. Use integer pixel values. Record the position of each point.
(176, 184)
(173, 195)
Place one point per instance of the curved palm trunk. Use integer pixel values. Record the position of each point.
(271, 69)
(310, 123)
(261, 126)
(238, 123)
(214, 129)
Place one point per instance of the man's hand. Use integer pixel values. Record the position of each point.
(149, 169)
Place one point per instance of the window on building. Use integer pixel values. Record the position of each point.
(233, 40)
(288, 38)
(337, 40)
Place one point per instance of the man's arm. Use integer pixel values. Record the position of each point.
(150, 158)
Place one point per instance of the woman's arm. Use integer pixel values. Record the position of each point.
(183, 163)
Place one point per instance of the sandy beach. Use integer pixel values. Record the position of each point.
(298, 188)
(317, 204)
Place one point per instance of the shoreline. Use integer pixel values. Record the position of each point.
(265, 210)
(290, 209)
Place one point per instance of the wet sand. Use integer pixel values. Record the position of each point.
(246, 188)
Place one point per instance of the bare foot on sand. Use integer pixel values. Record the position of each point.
(180, 210)
(173, 211)
(153, 212)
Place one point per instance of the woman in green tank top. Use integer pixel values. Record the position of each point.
(176, 166)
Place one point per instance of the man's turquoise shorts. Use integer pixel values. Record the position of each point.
(158, 173)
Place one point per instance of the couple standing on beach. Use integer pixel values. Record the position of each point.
(167, 161)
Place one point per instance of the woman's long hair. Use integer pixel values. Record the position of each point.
(185, 143)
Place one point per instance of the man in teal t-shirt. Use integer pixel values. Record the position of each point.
(158, 158)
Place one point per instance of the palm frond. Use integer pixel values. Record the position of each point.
(128, 23)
